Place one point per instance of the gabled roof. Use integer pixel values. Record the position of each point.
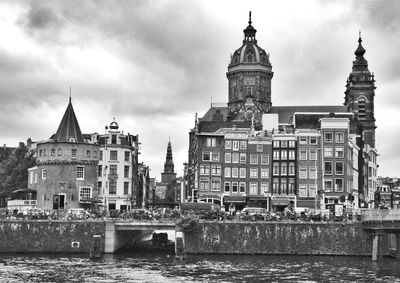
(286, 112)
(69, 127)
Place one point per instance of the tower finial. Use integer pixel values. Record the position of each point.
(359, 36)
(69, 94)
(249, 17)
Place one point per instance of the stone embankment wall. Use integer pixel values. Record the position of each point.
(45, 236)
(278, 238)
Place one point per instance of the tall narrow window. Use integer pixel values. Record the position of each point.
(80, 172)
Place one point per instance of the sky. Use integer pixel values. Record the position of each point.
(153, 64)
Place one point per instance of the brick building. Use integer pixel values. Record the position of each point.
(249, 152)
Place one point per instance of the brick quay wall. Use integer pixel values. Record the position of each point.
(332, 238)
(48, 236)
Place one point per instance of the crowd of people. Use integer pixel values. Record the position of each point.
(168, 214)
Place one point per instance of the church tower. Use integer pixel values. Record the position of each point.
(249, 74)
(359, 94)
(168, 175)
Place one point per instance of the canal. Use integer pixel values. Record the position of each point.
(156, 267)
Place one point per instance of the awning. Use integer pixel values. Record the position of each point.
(236, 199)
(258, 198)
(306, 203)
(23, 191)
(275, 202)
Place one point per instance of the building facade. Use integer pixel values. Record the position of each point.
(248, 152)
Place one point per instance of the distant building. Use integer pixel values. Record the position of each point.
(250, 153)
(118, 168)
(66, 172)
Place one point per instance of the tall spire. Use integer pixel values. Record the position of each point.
(168, 175)
(69, 130)
(249, 32)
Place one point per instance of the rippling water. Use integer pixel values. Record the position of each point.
(197, 268)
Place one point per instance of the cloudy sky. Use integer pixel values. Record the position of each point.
(153, 64)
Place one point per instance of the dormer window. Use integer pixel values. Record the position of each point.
(71, 139)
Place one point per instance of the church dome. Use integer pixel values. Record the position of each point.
(114, 125)
(250, 52)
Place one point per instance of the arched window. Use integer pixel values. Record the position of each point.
(250, 56)
(361, 107)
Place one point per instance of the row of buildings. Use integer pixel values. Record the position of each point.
(248, 152)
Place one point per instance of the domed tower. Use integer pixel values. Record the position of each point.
(249, 73)
(360, 93)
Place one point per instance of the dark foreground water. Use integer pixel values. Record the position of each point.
(204, 268)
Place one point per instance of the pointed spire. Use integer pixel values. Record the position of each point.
(249, 17)
(69, 130)
(360, 51)
(69, 94)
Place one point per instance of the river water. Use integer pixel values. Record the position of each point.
(156, 267)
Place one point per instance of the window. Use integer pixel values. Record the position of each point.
(284, 169)
(339, 168)
(215, 184)
(264, 172)
(235, 172)
(361, 107)
(283, 154)
(253, 159)
(276, 143)
(216, 170)
(328, 137)
(235, 157)
(44, 174)
(275, 169)
(127, 154)
(328, 151)
(31, 177)
(339, 185)
(95, 154)
(313, 140)
(59, 152)
(303, 140)
(88, 153)
(206, 156)
(85, 193)
(242, 172)
(253, 172)
(227, 187)
(114, 139)
(99, 170)
(126, 188)
(313, 154)
(312, 191)
(215, 156)
(53, 152)
(275, 186)
(235, 145)
(292, 169)
(227, 172)
(264, 159)
(284, 143)
(242, 187)
(283, 186)
(303, 154)
(243, 158)
(303, 172)
(291, 186)
(339, 137)
(36, 177)
(253, 188)
(113, 170)
(339, 153)
(44, 152)
(113, 155)
(302, 190)
(228, 144)
(292, 154)
(276, 154)
(101, 155)
(73, 152)
(40, 152)
(243, 145)
(204, 169)
(211, 142)
(112, 190)
(312, 172)
(234, 187)
(259, 148)
(99, 187)
(328, 185)
(204, 184)
(228, 158)
(292, 143)
(80, 172)
(265, 188)
(328, 167)
(126, 171)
